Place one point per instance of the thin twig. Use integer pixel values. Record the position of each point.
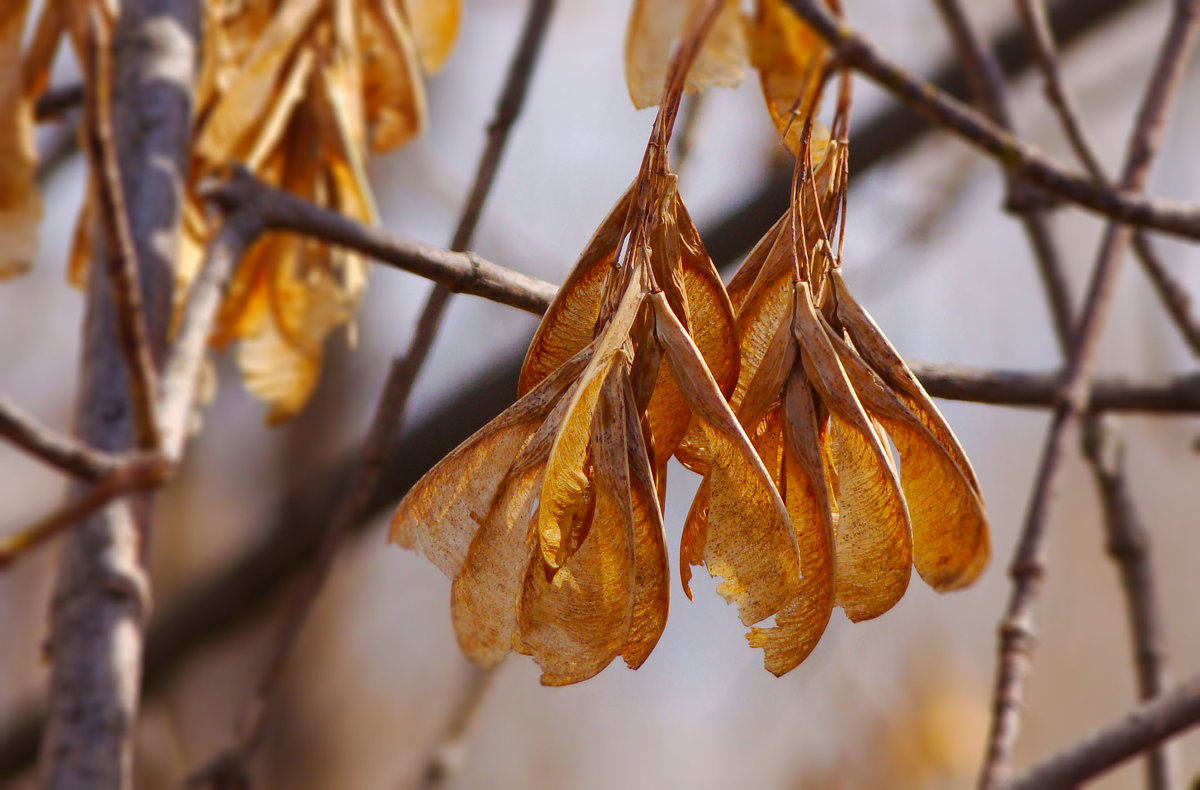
(447, 754)
(181, 374)
(132, 331)
(1016, 630)
(140, 472)
(1129, 545)
(1125, 205)
(883, 135)
(1128, 539)
(460, 272)
(1141, 729)
(1171, 292)
(58, 450)
(57, 101)
(987, 83)
(231, 767)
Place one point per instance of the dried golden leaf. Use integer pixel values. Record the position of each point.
(43, 44)
(486, 591)
(747, 537)
(747, 273)
(652, 594)
(873, 541)
(949, 527)
(654, 28)
(393, 92)
(567, 494)
(790, 58)
(693, 288)
(713, 327)
(440, 515)
(887, 362)
(277, 372)
(241, 109)
(575, 619)
(270, 132)
(339, 124)
(569, 323)
(799, 624)
(434, 26)
(20, 201)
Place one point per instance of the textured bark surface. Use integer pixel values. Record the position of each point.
(101, 598)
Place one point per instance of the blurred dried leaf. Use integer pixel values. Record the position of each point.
(20, 201)
(655, 26)
(790, 58)
(297, 91)
(434, 25)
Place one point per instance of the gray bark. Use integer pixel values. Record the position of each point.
(101, 598)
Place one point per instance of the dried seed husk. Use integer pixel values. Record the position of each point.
(20, 200)
(949, 526)
(652, 580)
(654, 28)
(878, 351)
(873, 540)
(575, 617)
(442, 512)
(747, 538)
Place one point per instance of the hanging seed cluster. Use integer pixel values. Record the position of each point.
(828, 473)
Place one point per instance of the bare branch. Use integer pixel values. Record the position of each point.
(1142, 728)
(1028, 567)
(987, 83)
(1128, 539)
(58, 450)
(1129, 546)
(101, 599)
(138, 473)
(946, 112)
(57, 101)
(446, 756)
(1170, 291)
(132, 331)
(456, 271)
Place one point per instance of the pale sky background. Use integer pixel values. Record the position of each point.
(376, 673)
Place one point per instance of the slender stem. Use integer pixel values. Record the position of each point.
(132, 330)
(446, 756)
(947, 113)
(459, 272)
(1171, 292)
(1128, 539)
(1028, 567)
(138, 473)
(1141, 729)
(60, 451)
(987, 83)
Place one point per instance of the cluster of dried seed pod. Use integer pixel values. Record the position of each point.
(780, 391)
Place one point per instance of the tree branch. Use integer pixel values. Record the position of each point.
(1171, 292)
(1128, 539)
(1028, 567)
(1142, 728)
(1125, 205)
(101, 595)
(132, 331)
(58, 450)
